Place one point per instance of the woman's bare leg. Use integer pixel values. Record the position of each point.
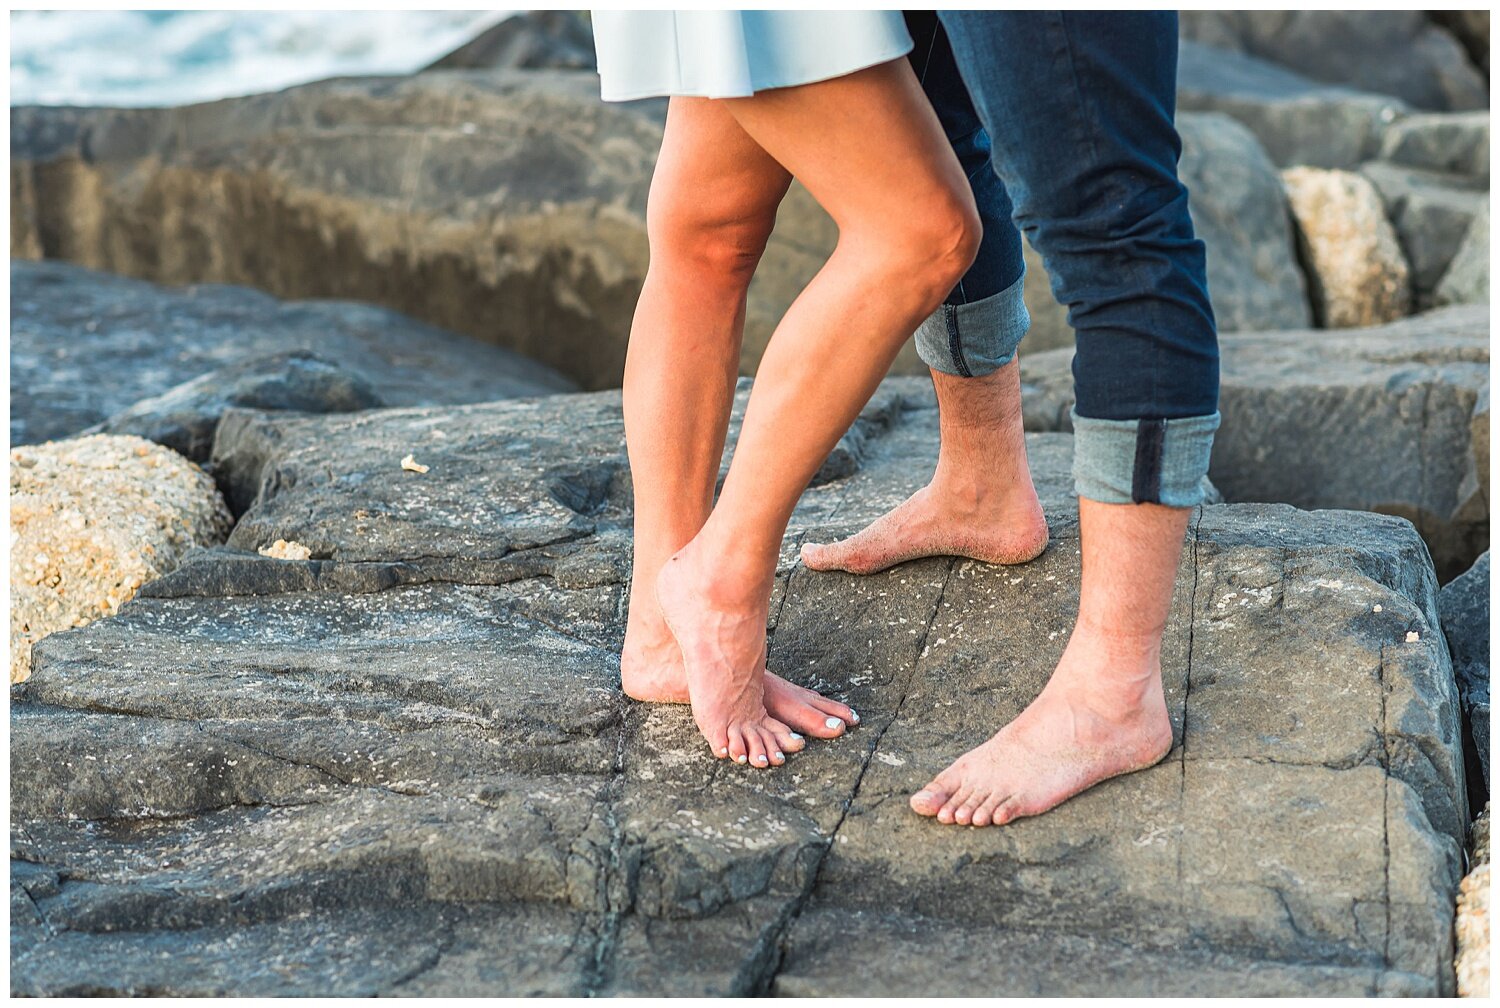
(870, 150)
(713, 202)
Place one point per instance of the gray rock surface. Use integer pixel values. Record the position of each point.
(1397, 53)
(528, 40)
(507, 205)
(1464, 604)
(1468, 278)
(403, 766)
(1383, 419)
(1240, 211)
(87, 347)
(1299, 121)
(1431, 213)
(1457, 143)
(1472, 29)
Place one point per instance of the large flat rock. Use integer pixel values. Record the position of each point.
(404, 766)
(1391, 418)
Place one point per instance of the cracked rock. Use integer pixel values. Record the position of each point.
(418, 732)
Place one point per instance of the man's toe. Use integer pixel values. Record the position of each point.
(928, 800)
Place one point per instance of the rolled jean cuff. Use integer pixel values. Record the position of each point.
(976, 338)
(1143, 461)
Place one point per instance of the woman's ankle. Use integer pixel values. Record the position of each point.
(725, 573)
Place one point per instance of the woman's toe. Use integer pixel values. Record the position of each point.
(786, 740)
(739, 750)
(755, 746)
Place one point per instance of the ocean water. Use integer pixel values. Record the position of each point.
(177, 57)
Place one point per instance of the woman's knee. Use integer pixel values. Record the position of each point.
(715, 245)
(933, 242)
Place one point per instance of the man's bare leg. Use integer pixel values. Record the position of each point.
(980, 502)
(1102, 713)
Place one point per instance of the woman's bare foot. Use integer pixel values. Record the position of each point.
(1081, 730)
(651, 670)
(1005, 527)
(720, 625)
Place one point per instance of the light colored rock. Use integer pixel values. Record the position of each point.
(1468, 278)
(1357, 274)
(93, 519)
(1472, 928)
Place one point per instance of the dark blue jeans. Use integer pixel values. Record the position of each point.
(1063, 122)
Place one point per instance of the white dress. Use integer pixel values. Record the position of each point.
(730, 54)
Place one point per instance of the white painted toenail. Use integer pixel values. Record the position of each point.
(739, 759)
(760, 759)
(853, 715)
(724, 752)
(834, 722)
(795, 736)
(780, 756)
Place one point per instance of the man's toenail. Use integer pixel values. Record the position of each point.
(923, 794)
(834, 722)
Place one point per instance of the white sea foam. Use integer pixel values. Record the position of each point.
(176, 57)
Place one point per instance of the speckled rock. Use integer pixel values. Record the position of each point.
(92, 519)
(403, 765)
(1356, 272)
(1472, 929)
(1392, 418)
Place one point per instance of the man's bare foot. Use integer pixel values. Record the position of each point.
(721, 628)
(1078, 732)
(938, 520)
(651, 670)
